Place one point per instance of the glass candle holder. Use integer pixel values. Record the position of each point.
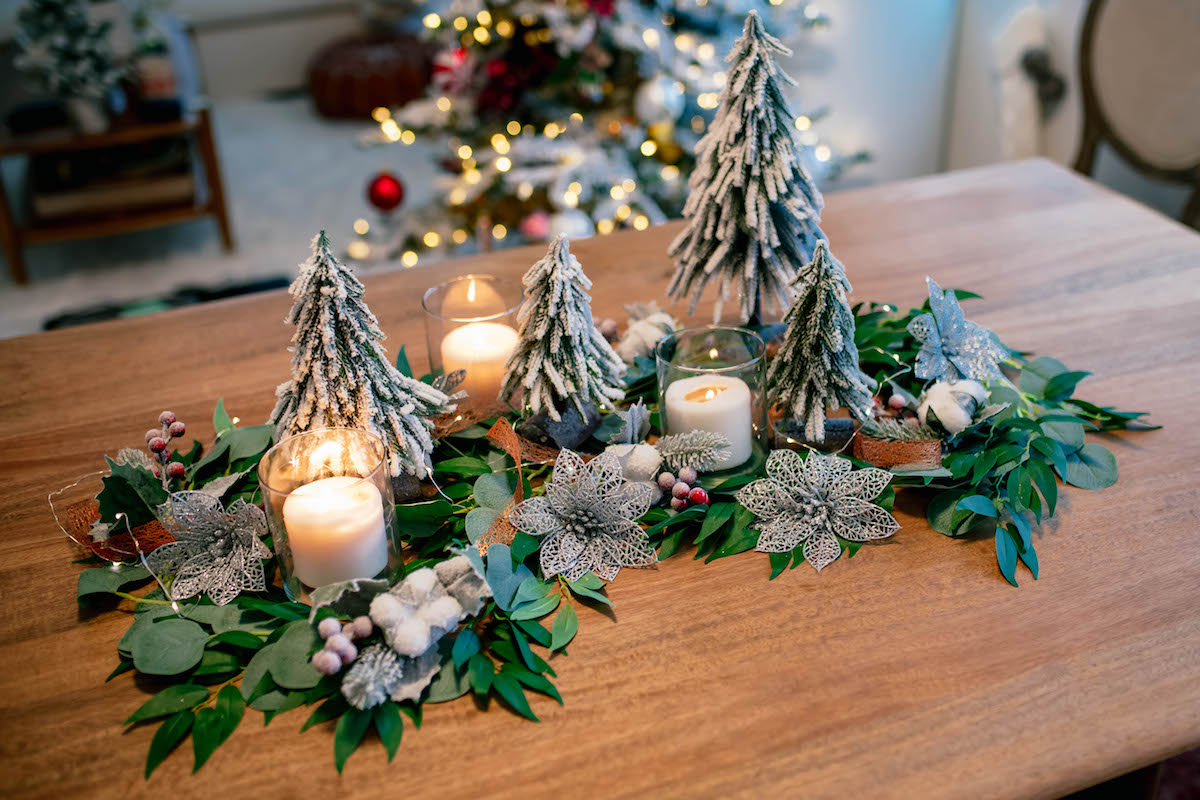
(471, 324)
(714, 379)
(328, 498)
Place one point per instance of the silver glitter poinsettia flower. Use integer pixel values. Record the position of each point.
(810, 500)
(218, 551)
(588, 518)
(953, 347)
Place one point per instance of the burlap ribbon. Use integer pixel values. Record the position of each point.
(521, 451)
(119, 546)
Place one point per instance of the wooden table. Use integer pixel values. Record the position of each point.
(912, 671)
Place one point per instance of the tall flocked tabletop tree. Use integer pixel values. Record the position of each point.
(753, 211)
(562, 360)
(817, 364)
(341, 376)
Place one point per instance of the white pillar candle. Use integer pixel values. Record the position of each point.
(483, 350)
(715, 403)
(335, 530)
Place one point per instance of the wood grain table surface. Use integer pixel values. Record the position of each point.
(912, 671)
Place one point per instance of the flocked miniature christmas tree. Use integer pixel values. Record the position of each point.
(753, 210)
(817, 364)
(341, 376)
(562, 364)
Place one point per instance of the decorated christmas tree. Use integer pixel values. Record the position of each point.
(753, 210)
(817, 365)
(574, 118)
(562, 361)
(341, 376)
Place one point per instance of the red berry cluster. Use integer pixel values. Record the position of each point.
(683, 494)
(157, 440)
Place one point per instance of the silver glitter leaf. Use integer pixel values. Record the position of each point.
(813, 501)
(218, 551)
(588, 519)
(952, 347)
(635, 424)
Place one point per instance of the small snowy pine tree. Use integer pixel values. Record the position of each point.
(341, 376)
(817, 365)
(561, 356)
(753, 210)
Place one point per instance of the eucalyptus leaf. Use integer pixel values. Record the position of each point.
(492, 491)
(256, 670)
(169, 647)
(479, 520)
(1093, 466)
(447, 685)
(1069, 434)
(106, 580)
(289, 665)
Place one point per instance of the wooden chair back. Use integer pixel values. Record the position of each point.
(1139, 68)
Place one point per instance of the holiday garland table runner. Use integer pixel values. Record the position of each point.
(894, 329)
(368, 652)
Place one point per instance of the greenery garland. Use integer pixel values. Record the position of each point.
(214, 661)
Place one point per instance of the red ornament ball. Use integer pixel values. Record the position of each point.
(698, 497)
(385, 191)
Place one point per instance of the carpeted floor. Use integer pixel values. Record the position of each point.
(287, 174)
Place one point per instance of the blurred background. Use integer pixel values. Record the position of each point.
(162, 153)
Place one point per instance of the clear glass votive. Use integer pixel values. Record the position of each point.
(714, 379)
(471, 324)
(328, 498)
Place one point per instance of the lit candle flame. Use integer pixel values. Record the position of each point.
(471, 291)
(712, 353)
(327, 453)
(704, 394)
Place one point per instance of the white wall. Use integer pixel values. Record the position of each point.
(884, 70)
(974, 132)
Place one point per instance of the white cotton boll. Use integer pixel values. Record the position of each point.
(387, 611)
(639, 462)
(443, 613)
(410, 637)
(954, 403)
(421, 582)
(641, 336)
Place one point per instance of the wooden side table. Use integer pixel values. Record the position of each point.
(14, 237)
